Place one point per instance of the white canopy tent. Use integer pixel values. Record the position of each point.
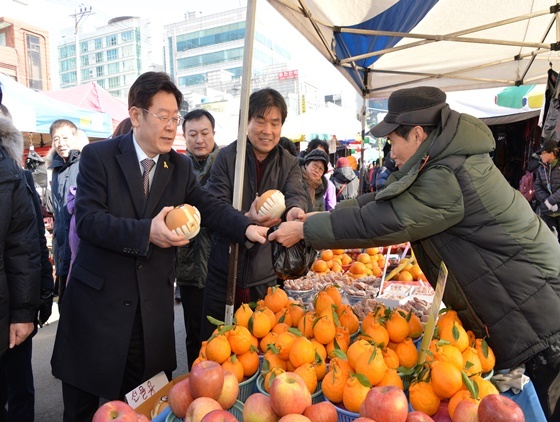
(455, 45)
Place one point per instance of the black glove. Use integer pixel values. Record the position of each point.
(45, 310)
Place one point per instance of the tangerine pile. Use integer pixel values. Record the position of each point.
(367, 263)
(455, 363)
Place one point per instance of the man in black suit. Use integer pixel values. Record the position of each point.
(116, 329)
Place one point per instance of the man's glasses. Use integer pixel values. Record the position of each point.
(166, 120)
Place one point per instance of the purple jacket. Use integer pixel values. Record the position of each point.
(73, 239)
(330, 196)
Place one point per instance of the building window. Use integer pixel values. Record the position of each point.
(127, 36)
(128, 50)
(98, 43)
(112, 54)
(101, 83)
(129, 79)
(210, 58)
(114, 82)
(84, 46)
(35, 68)
(211, 36)
(84, 60)
(192, 79)
(85, 74)
(67, 51)
(99, 71)
(68, 78)
(129, 65)
(66, 65)
(3, 39)
(113, 68)
(111, 40)
(98, 57)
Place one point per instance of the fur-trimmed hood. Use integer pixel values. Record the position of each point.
(11, 139)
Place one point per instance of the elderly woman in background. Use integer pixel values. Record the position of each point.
(313, 169)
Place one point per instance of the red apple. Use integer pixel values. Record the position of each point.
(289, 394)
(386, 404)
(418, 416)
(466, 411)
(207, 379)
(294, 417)
(200, 407)
(180, 398)
(230, 390)
(257, 408)
(498, 408)
(321, 412)
(115, 410)
(142, 418)
(220, 415)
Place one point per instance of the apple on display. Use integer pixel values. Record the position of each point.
(385, 404)
(206, 379)
(257, 408)
(115, 411)
(200, 407)
(498, 408)
(230, 390)
(180, 398)
(289, 394)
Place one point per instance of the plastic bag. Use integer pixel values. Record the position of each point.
(292, 262)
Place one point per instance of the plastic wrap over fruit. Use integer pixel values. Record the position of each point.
(271, 203)
(184, 220)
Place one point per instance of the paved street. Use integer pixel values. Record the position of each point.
(48, 390)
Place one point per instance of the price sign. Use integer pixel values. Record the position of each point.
(434, 311)
(146, 390)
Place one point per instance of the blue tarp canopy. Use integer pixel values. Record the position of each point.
(384, 45)
(34, 112)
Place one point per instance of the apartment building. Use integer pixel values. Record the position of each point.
(113, 55)
(24, 53)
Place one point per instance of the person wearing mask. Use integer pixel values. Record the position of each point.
(267, 166)
(192, 259)
(63, 159)
(345, 180)
(547, 185)
(116, 328)
(313, 170)
(453, 204)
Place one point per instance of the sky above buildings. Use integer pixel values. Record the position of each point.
(56, 15)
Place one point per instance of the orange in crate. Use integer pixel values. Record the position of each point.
(320, 266)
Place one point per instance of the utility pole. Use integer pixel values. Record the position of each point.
(78, 16)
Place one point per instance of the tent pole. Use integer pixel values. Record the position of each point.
(363, 119)
(241, 149)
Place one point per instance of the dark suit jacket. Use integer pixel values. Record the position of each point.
(117, 269)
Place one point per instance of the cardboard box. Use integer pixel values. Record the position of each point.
(146, 407)
(393, 301)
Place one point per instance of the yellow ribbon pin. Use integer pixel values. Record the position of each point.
(165, 164)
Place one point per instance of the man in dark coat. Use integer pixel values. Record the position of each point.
(192, 259)
(116, 329)
(267, 166)
(63, 160)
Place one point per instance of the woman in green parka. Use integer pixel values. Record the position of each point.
(452, 203)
